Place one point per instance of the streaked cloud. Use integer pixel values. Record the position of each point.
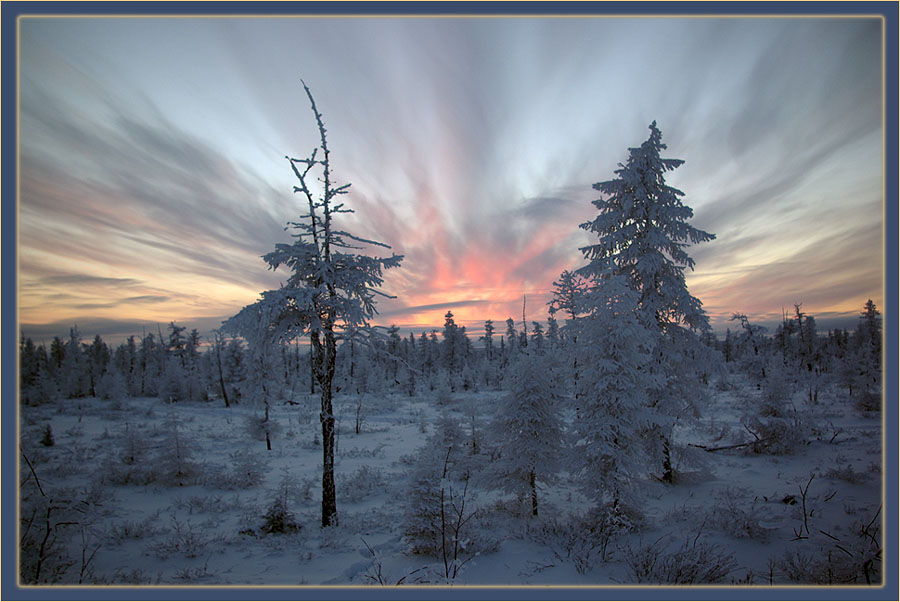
(153, 176)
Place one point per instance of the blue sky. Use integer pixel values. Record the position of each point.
(153, 173)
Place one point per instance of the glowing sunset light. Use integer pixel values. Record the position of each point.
(153, 176)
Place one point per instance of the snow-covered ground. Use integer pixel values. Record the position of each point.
(176, 494)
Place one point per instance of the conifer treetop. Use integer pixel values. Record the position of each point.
(643, 230)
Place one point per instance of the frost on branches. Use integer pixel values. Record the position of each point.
(643, 229)
(615, 351)
(330, 293)
(642, 233)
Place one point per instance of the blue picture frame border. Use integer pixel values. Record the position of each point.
(11, 11)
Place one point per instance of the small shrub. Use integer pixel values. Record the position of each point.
(201, 503)
(174, 465)
(191, 574)
(47, 438)
(117, 473)
(184, 541)
(361, 484)
(258, 427)
(582, 539)
(362, 452)
(247, 470)
(868, 402)
(126, 577)
(836, 561)
(125, 530)
(278, 519)
(43, 392)
(846, 473)
(736, 513)
(694, 562)
(776, 435)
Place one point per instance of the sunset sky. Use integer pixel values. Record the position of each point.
(153, 174)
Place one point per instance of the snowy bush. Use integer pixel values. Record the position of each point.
(174, 463)
(261, 428)
(247, 469)
(819, 557)
(112, 386)
(42, 392)
(364, 482)
(846, 473)
(53, 522)
(47, 437)
(439, 517)
(183, 539)
(867, 402)
(44, 556)
(694, 562)
(201, 503)
(775, 423)
(832, 563)
(736, 513)
(129, 463)
(580, 539)
(777, 435)
(127, 577)
(135, 529)
(279, 519)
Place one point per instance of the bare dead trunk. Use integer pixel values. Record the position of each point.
(221, 374)
(326, 377)
(534, 501)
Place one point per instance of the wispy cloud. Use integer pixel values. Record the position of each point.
(153, 174)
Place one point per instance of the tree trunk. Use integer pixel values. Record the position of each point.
(326, 377)
(534, 504)
(312, 373)
(329, 504)
(266, 421)
(221, 375)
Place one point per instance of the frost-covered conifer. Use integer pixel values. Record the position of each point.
(642, 229)
(566, 295)
(537, 336)
(451, 347)
(642, 232)
(488, 339)
(74, 375)
(552, 331)
(528, 429)
(330, 291)
(868, 341)
(112, 385)
(97, 359)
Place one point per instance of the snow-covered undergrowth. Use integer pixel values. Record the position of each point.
(139, 491)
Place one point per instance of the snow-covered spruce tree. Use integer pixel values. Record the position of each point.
(74, 373)
(643, 230)
(528, 428)
(332, 288)
(488, 339)
(566, 297)
(867, 339)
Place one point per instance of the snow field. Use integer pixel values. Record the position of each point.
(178, 493)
